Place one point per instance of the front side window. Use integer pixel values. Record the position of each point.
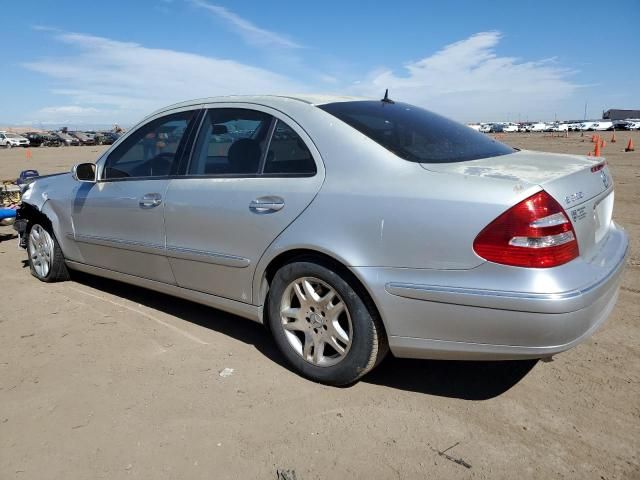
(152, 150)
(415, 134)
(231, 141)
(288, 154)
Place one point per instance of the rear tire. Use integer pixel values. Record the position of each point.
(322, 325)
(46, 260)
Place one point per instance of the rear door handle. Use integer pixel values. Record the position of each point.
(150, 200)
(268, 204)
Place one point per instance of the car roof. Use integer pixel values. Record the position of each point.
(267, 100)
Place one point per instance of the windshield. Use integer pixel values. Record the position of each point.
(12, 135)
(415, 134)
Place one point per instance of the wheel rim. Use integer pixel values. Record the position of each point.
(40, 250)
(316, 321)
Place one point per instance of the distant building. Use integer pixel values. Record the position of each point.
(617, 114)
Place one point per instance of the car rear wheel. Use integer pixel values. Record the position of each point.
(8, 145)
(46, 260)
(322, 326)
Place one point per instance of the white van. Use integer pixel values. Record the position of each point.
(584, 126)
(601, 126)
(538, 127)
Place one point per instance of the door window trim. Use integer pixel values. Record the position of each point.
(188, 147)
(184, 165)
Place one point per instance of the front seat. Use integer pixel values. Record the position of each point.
(244, 156)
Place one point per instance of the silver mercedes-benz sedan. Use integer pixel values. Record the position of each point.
(349, 227)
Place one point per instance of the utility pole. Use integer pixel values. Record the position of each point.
(585, 110)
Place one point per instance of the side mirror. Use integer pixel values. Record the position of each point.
(84, 172)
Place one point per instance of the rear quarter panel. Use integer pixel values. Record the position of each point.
(376, 209)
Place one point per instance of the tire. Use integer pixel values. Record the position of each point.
(46, 260)
(8, 145)
(322, 325)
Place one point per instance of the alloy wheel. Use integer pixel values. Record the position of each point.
(40, 250)
(316, 321)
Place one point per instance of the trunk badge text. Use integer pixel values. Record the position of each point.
(573, 198)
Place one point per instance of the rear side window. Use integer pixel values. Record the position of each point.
(415, 134)
(231, 142)
(288, 154)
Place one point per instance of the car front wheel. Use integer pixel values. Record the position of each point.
(46, 260)
(322, 325)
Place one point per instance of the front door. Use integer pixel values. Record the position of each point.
(249, 177)
(119, 221)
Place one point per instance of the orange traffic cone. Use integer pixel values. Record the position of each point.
(27, 154)
(596, 152)
(613, 138)
(593, 138)
(629, 146)
(602, 143)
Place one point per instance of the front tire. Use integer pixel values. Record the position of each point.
(322, 325)
(46, 260)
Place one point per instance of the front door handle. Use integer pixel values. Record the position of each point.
(269, 204)
(150, 200)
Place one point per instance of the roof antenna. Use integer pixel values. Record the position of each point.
(386, 98)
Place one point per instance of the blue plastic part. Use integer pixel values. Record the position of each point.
(7, 213)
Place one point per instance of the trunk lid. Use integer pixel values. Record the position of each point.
(582, 185)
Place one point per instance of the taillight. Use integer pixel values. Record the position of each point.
(534, 233)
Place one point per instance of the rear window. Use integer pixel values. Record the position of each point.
(415, 134)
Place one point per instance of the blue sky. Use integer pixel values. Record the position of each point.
(81, 63)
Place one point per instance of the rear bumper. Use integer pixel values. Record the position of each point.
(498, 312)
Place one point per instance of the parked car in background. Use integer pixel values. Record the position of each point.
(491, 128)
(9, 140)
(474, 126)
(602, 126)
(51, 140)
(83, 138)
(35, 139)
(560, 127)
(587, 126)
(509, 127)
(321, 232)
(67, 139)
(106, 138)
(524, 127)
(538, 127)
(632, 125)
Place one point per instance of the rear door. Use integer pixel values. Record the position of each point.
(252, 172)
(119, 220)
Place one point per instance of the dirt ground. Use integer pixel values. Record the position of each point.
(103, 380)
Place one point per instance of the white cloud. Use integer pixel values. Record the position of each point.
(65, 114)
(250, 32)
(110, 81)
(467, 80)
(123, 81)
(73, 110)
